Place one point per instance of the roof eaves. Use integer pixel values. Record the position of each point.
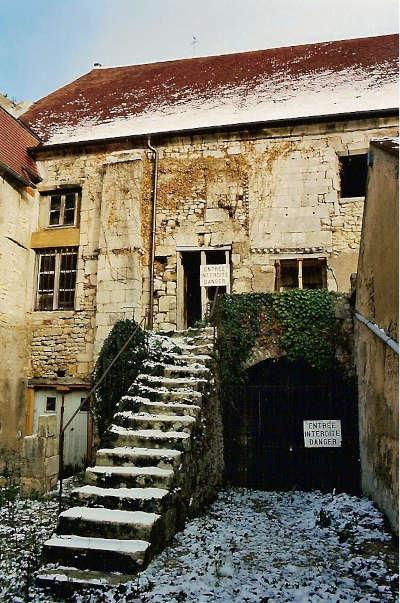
(230, 127)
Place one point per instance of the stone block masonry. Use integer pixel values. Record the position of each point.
(39, 471)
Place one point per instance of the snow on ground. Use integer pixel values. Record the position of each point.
(250, 546)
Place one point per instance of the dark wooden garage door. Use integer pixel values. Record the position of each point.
(267, 450)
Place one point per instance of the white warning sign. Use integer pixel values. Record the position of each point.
(214, 275)
(322, 433)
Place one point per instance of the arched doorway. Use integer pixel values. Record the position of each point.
(293, 428)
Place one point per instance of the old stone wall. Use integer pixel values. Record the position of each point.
(377, 364)
(18, 214)
(39, 470)
(266, 195)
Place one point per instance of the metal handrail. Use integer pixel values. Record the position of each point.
(82, 404)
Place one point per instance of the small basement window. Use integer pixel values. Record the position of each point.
(353, 175)
(64, 208)
(307, 273)
(56, 278)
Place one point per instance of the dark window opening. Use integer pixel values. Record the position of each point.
(192, 291)
(84, 405)
(307, 273)
(353, 175)
(51, 404)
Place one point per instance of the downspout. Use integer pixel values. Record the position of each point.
(393, 345)
(153, 233)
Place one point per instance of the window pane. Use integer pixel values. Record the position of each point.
(69, 211)
(50, 404)
(67, 281)
(289, 274)
(314, 274)
(45, 292)
(55, 206)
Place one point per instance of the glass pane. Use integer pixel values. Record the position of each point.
(66, 299)
(45, 301)
(313, 274)
(70, 200)
(55, 205)
(68, 261)
(289, 274)
(69, 216)
(47, 263)
(50, 404)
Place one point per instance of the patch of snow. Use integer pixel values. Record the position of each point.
(104, 544)
(131, 493)
(111, 516)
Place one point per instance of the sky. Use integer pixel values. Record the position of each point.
(45, 44)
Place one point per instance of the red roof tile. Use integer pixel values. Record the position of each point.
(15, 139)
(266, 85)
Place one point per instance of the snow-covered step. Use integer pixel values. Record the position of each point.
(128, 456)
(108, 523)
(152, 500)
(174, 383)
(189, 359)
(135, 477)
(166, 395)
(65, 581)
(167, 408)
(104, 554)
(175, 370)
(201, 348)
(162, 422)
(150, 438)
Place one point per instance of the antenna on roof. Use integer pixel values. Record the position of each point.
(97, 65)
(193, 44)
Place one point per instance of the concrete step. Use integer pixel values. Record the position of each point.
(104, 554)
(189, 359)
(159, 408)
(172, 383)
(196, 349)
(164, 395)
(175, 370)
(162, 422)
(150, 438)
(129, 477)
(65, 581)
(142, 457)
(108, 523)
(152, 500)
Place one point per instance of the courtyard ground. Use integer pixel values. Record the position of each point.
(250, 546)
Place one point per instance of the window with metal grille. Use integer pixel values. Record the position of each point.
(56, 278)
(64, 208)
(353, 175)
(307, 273)
(51, 404)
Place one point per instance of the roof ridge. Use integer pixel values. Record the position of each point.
(241, 52)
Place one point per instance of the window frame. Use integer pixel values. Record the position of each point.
(58, 253)
(62, 193)
(299, 260)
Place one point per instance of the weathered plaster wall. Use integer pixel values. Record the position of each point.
(377, 364)
(18, 214)
(269, 194)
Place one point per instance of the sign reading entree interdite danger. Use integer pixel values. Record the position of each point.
(214, 275)
(322, 433)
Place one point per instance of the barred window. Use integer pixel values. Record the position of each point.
(64, 208)
(56, 278)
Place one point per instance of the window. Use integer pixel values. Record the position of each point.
(51, 404)
(56, 278)
(353, 175)
(307, 273)
(64, 208)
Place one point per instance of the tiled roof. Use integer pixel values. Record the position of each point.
(15, 139)
(311, 80)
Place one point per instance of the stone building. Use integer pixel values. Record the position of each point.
(18, 210)
(376, 332)
(256, 161)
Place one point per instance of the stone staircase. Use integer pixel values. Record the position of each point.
(163, 466)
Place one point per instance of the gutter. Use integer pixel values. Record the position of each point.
(393, 345)
(153, 233)
(230, 128)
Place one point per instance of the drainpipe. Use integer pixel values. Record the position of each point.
(153, 233)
